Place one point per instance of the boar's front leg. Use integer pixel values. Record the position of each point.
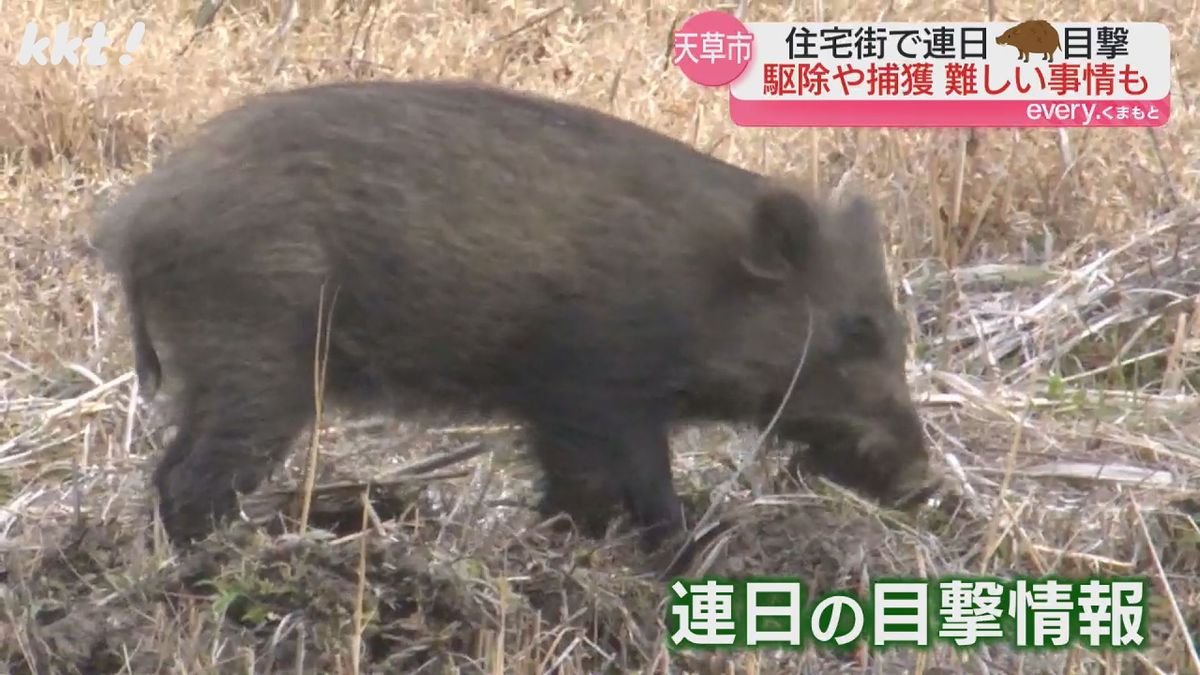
(648, 486)
(596, 459)
(596, 386)
(575, 483)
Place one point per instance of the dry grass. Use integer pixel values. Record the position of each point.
(1052, 281)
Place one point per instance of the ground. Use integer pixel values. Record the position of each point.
(1051, 280)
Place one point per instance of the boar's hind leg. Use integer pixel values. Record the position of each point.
(237, 421)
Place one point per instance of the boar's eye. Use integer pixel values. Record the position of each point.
(861, 335)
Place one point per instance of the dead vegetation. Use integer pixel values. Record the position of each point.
(1052, 281)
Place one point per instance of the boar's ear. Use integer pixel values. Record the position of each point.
(858, 228)
(859, 236)
(782, 230)
(860, 217)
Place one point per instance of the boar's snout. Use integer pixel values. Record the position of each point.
(896, 457)
(884, 456)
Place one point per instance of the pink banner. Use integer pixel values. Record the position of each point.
(935, 113)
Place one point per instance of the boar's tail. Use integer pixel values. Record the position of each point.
(145, 358)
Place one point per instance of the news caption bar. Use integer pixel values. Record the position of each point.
(845, 74)
(1100, 614)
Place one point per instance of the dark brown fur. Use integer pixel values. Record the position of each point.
(498, 252)
(1031, 37)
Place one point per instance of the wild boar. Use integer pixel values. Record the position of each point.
(1032, 37)
(480, 249)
